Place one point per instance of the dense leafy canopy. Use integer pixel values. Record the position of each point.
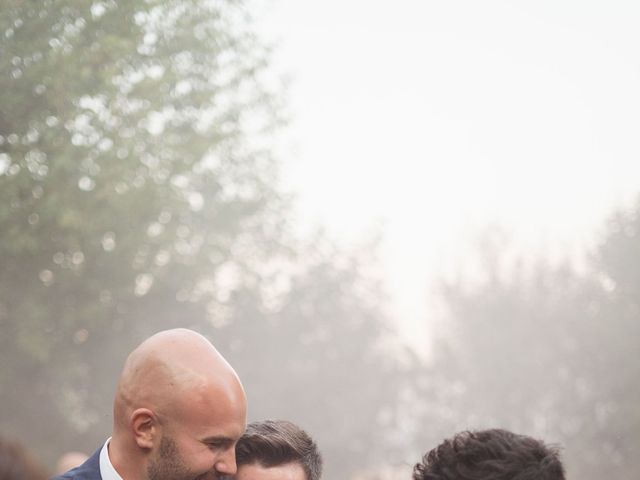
(138, 191)
(131, 174)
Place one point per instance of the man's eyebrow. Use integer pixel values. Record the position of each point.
(217, 439)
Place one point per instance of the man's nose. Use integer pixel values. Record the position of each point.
(226, 464)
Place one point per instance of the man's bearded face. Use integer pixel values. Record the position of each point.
(169, 465)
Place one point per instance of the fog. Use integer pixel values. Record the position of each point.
(395, 222)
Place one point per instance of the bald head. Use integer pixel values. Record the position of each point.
(169, 368)
(179, 410)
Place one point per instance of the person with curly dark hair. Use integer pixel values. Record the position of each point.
(494, 454)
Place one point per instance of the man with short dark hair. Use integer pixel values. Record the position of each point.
(490, 455)
(277, 450)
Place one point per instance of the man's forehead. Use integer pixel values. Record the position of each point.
(213, 397)
(211, 424)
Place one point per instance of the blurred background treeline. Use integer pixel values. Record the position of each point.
(139, 191)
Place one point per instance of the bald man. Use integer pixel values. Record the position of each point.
(179, 411)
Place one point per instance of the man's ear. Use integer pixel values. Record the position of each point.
(144, 426)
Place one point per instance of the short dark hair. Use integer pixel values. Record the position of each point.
(277, 442)
(494, 454)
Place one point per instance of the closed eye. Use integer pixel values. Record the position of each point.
(218, 443)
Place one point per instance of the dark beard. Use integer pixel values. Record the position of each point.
(169, 465)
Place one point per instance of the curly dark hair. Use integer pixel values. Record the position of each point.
(490, 455)
(277, 442)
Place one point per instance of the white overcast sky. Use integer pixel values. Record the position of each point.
(436, 118)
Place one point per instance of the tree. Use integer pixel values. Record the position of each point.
(133, 168)
(546, 351)
(138, 192)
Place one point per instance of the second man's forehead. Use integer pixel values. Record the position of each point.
(256, 471)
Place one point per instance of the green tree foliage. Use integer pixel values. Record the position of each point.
(133, 166)
(548, 351)
(138, 192)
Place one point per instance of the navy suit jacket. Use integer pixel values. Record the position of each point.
(89, 470)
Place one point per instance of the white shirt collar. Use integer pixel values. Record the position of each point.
(107, 472)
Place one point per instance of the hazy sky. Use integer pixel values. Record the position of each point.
(436, 118)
